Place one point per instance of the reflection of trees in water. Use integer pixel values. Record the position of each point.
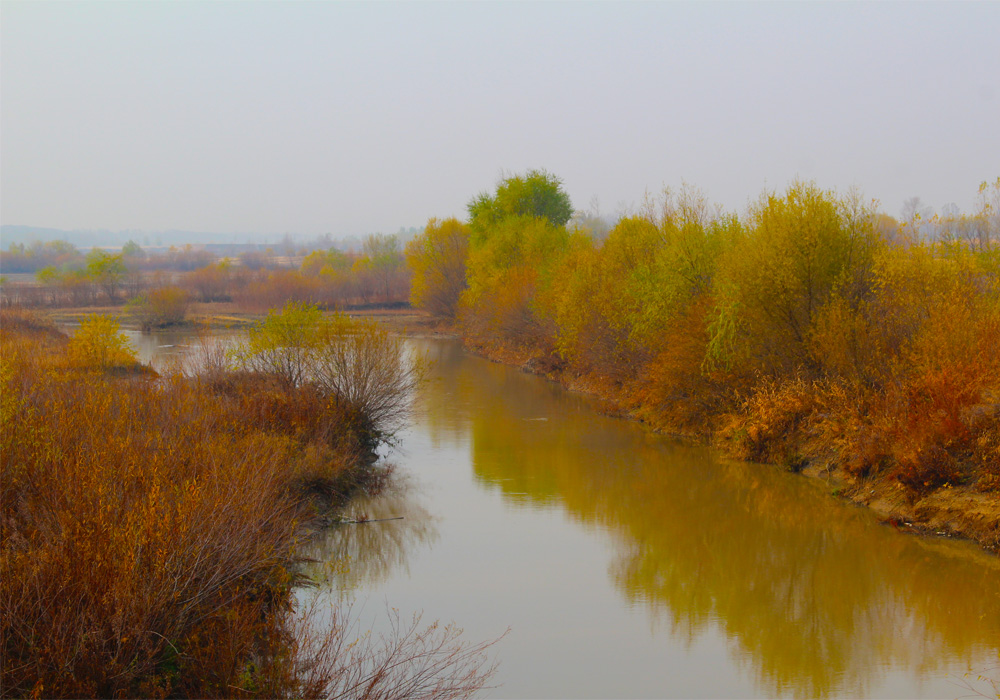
(439, 401)
(819, 598)
(815, 597)
(350, 555)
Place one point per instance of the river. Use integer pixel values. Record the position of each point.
(628, 564)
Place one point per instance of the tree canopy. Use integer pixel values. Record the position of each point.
(537, 193)
(437, 257)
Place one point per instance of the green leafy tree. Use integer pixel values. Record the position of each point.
(107, 270)
(537, 193)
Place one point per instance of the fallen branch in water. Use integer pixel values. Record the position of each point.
(362, 522)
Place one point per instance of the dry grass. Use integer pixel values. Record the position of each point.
(149, 530)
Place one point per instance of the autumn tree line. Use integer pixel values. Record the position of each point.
(160, 286)
(150, 523)
(810, 330)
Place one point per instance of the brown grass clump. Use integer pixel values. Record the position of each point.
(773, 423)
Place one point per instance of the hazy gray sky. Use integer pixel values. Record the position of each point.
(350, 118)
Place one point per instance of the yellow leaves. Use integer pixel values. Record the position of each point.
(510, 265)
(325, 262)
(100, 345)
(797, 249)
(437, 258)
(10, 401)
(936, 305)
(142, 505)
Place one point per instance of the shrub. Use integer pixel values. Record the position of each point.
(437, 257)
(773, 282)
(773, 423)
(159, 308)
(356, 365)
(148, 531)
(99, 344)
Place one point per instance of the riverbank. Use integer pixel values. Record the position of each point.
(952, 510)
(152, 524)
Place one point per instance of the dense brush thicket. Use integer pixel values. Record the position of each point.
(811, 329)
(149, 524)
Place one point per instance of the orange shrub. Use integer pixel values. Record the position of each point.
(160, 307)
(773, 423)
(673, 392)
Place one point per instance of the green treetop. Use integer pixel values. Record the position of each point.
(537, 193)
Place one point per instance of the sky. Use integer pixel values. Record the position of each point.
(352, 118)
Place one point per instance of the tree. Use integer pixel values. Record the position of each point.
(100, 345)
(159, 308)
(914, 211)
(508, 266)
(356, 364)
(987, 215)
(107, 270)
(133, 250)
(210, 281)
(437, 258)
(331, 260)
(773, 282)
(47, 275)
(591, 221)
(537, 193)
(386, 260)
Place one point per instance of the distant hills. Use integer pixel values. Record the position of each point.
(87, 238)
(104, 238)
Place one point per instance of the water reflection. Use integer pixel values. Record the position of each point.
(179, 350)
(815, 597)
(345, 556)
(350, 556)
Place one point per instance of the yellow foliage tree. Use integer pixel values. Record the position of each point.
(782, 270)
(437, 258)
(507, 266)
(99, 344)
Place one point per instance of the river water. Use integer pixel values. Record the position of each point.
(627, 564)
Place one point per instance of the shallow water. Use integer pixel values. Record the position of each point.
(628, 564)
